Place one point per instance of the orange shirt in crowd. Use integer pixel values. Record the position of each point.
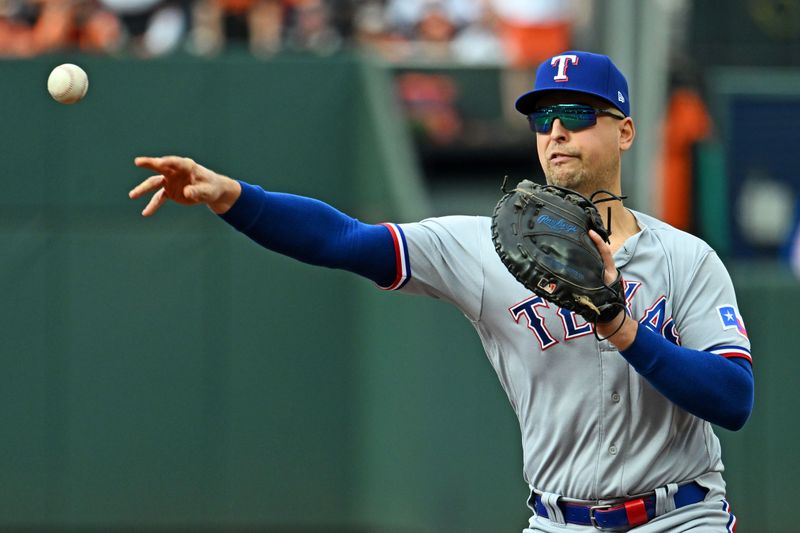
(687, 122)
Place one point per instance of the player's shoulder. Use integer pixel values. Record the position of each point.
(459, 233)
(669, 236)
(453, 224)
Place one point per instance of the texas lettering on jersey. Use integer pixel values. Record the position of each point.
(655, 317)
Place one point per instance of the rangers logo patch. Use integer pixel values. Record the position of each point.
(731, 319)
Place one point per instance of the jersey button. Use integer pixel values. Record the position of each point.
(615, 397)
(612, 450)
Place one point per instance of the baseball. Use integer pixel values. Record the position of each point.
(67, 83)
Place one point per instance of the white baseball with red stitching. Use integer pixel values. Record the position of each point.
(68, 83)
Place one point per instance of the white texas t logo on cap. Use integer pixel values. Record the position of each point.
(562, 60)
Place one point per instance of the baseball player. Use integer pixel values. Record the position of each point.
(616, 433)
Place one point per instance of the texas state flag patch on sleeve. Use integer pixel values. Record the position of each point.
(731, 319)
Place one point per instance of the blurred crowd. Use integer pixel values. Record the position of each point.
(515, 32)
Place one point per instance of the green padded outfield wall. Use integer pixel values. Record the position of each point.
(167, 373)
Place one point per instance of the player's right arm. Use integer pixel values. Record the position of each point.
(302, 228)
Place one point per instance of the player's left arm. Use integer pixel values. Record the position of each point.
(708, 385)
(715, 388)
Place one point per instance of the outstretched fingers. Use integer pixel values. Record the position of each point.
(165, 164)
(153, 163)
(155, 203)
(149, 185)
(179, 179)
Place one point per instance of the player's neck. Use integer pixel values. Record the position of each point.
(623, 223)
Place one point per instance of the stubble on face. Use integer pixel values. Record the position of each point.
(587, 160)
(573, 172)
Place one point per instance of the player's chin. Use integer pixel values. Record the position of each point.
(562, 177)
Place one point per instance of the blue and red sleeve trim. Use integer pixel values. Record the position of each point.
(731, 351)
(403, 268)
(716, 389)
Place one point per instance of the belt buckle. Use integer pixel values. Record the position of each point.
(593, 519)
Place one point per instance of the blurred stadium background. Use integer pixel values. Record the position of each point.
(168, 375)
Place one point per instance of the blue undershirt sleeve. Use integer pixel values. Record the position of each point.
(712, 387)
(313, 232)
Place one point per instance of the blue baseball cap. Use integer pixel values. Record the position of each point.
(582, 72)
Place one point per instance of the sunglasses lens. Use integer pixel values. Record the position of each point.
(572, 118)
(540, 122)
(579, 121)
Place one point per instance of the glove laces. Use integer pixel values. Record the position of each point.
(611, 198)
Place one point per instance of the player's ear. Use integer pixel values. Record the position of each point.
(627, 131)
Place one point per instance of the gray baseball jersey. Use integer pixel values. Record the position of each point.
(592, 427)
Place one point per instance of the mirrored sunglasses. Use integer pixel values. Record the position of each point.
(573, 117)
